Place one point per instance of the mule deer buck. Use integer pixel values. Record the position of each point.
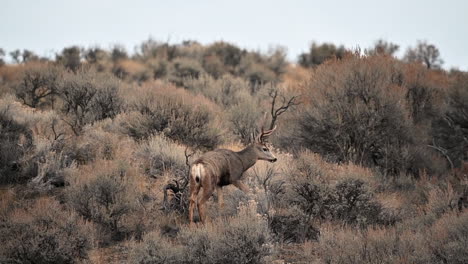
(222, 167)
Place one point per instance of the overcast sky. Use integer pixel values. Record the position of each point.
(47, 26)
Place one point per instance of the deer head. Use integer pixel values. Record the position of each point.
(261, 147)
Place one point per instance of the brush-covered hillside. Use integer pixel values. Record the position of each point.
(96, 144)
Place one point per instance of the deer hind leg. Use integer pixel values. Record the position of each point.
(194, 190)
(202, 199)
(193, 198)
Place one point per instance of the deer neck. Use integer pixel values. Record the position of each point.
(248, 157)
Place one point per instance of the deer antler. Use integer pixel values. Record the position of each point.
(265, 134)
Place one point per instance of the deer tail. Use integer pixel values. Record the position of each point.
(197, 173)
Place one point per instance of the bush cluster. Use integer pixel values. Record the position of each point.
(161, 108)
(107, 196)
(16, 143)
(44, 232)
(240, 239)
(368, 111)
(442, 242)
(88, 96)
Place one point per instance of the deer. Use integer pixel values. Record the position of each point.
(221, 167)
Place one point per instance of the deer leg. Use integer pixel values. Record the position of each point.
(219, 191)
(206, 194)
(194, 189)
(241, 186)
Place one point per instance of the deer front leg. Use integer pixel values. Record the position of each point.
(241, 186)
(219, 191)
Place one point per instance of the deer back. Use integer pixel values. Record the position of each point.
(224, 166)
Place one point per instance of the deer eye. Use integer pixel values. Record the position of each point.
(265, 149)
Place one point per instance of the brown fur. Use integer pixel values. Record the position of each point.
(219, 168)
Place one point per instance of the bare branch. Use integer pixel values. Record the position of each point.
(286, 104)
(443, 152)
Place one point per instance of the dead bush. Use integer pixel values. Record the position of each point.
(44, 232)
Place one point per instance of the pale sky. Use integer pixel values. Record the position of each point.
(47, 26)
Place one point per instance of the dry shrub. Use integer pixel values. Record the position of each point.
(244, 118)
(426, 92)
(443, 241)
(155, 249)
(159, 68)
(320, 53)
(214, 66)
(257, 73)
(52, 165)
(159, 155)
(39, 84)
(347, 198)
(295, 76)
(16, 144)
(343, 245)
(88, 96)
(9, 74)
(448, 238)
(450, 131)
(175, 112)
(229, 55)
(225, 91)
(93, 144)
(184, 68)
(293, 226)
(243, 238)
(240, 239)
(44, 232)
(360, 114)
(132, 70)
(107, 194)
